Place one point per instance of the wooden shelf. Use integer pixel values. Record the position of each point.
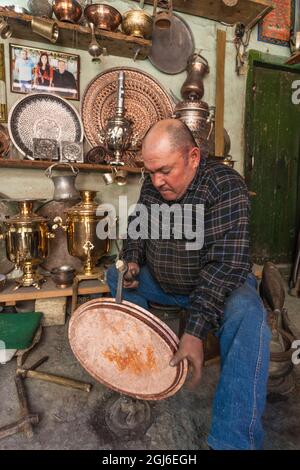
(248, 12)
(78, 37)
(49, 290)
(42, 165)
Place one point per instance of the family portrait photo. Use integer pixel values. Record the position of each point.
(39, 70)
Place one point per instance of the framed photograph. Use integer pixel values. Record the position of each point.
(3, 98)
(276, 26)
(38, 70)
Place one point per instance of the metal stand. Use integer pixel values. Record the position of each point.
(97, 274)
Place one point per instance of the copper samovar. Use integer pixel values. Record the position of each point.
(27, 243)
(81, 226)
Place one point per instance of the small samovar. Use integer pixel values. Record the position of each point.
(81, 226)
(116, 137)
(27, 243)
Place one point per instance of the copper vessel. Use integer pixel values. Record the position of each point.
(81, 226)
(103, 16)
(195, 115)
(197, 68)
(67, 10)
(27, 243)
(137, 23)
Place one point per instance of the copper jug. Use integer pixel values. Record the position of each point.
(197, 68)
(163, 18)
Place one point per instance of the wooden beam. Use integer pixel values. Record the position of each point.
(220, 73)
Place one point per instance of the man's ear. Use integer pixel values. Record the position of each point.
(195, 156)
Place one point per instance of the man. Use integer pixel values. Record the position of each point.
(23, 71)
(213, 282)
(64, 81)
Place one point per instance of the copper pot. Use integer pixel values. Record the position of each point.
(197, 68)
(67, 10)
(103, 16)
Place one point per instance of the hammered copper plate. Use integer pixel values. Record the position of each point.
(127, 349)
(45, 116)
(146, 102)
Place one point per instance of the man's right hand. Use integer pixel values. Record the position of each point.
(130, 277)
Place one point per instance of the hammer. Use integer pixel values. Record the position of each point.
(57, 379)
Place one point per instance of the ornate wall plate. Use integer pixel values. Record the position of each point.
(71, 152)
(146, 102)
(45, 149)
(44, 116)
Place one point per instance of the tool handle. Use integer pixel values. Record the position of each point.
(56, 379)
(24, 408)
(18, 426)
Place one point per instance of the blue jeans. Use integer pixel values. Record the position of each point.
(244, 336)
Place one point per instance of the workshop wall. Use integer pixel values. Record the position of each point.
(33, 183)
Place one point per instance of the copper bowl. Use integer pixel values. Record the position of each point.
(137, 23)
(103, 16)
(67, 10)
(63, 276)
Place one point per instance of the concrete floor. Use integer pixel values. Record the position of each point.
(71, 419)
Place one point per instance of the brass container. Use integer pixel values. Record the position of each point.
(46, 28)
(81, 227)
(27, 242)
(103, 16)
(137, 23)
(67, 10)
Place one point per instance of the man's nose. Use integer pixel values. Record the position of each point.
(158, 180)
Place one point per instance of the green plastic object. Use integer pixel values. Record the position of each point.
(17, 330)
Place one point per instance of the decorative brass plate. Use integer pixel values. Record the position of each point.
(146, 102)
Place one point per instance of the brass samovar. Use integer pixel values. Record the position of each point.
(81, 227)
(27, 243)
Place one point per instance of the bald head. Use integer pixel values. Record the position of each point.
(172, 134)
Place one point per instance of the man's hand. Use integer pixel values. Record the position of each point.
(130, 277)
(191, 348)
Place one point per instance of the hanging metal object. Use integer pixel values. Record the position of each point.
(230, 3)
(241, 42)
(46, 28)
(163, 19)
(94, 49)
(197, 68)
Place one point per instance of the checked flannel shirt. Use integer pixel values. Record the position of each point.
(208, 275)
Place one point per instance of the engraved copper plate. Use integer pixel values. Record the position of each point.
(127, 349)
(146, 102)
(44, 116)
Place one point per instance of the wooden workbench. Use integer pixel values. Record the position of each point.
(48, 290)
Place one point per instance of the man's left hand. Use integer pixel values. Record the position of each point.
(191, 348)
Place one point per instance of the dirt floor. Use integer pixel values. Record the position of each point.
(73, 419)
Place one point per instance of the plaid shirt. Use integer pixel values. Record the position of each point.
(208, 275)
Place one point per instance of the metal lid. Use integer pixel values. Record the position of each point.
(192, 105)
(127, 349)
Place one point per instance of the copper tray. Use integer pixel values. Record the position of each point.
(146, 102)
(172, 47)
(127, 349)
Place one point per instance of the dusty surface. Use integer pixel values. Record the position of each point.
(71, 419)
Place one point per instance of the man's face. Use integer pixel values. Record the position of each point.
(24, 54)
(170, 172)
(61, 66)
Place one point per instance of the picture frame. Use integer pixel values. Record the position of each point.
(276, 26)
(40, 70)
(3, 95)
